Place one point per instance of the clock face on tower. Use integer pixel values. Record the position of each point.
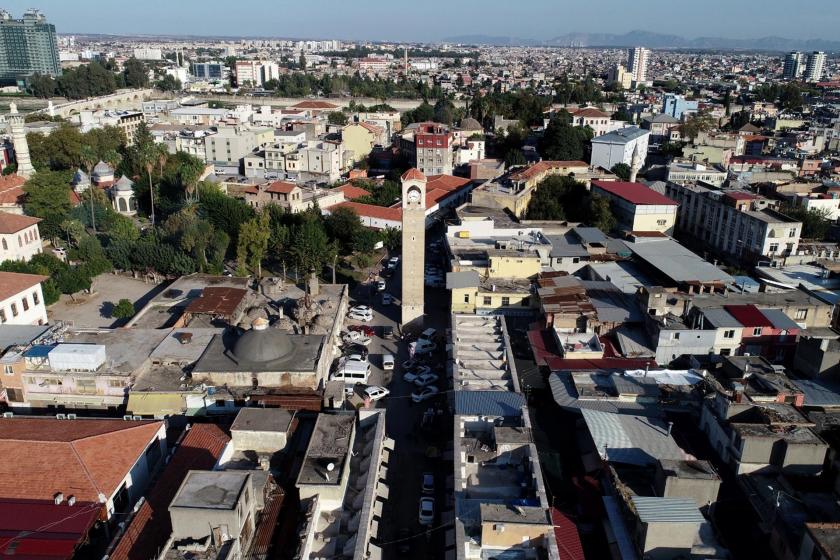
(414, 195)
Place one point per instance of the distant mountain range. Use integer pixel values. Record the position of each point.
(654, 41)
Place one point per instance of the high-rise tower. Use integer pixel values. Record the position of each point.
(815, 66)
(18, 133)
(794, 65)
(27, 46)
(637, 63)
(413, 246)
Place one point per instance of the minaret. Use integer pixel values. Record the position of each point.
(635, 163)
(18, 133)
(413, 247)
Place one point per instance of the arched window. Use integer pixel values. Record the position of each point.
(5, 245)
(122, 205)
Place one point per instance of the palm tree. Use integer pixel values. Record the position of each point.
(190, 170)
(162, 157)
(87, 156)
(148, 159)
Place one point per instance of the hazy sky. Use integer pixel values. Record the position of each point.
(435, 19)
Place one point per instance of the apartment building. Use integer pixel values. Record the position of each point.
(618, 146)
(231, 143)
(692, 172)
(738, 224)
(600, 122)
(637, 207)
(255, 72)
(637, 63)
(429, 147)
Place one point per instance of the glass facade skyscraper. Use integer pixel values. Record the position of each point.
(27, 46)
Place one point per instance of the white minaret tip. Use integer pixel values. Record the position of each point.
(13, 108)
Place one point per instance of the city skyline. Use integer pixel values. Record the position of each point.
(375, 20)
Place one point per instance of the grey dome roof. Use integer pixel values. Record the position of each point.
(124, 184)
(262, 345)
(80, 178)
(470, 123)
(102, 168)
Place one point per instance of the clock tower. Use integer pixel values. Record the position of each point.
(413, 246)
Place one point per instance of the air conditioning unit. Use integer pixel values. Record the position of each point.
(127, 417)
(61, 417)
(71, 416)
(136, 417)
(8, 415)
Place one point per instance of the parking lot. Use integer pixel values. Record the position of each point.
(420, 446)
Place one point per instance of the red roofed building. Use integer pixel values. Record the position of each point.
(637, 207)
(22, 299)
(767, 332)
(351, 191)
(20, 239)
(106, 462)
(149, 529)
(566, 536)
(44, 530)
(372, 216)
(11, 193)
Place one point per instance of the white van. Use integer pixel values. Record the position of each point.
(352, 373)
(428, 334)
(387, 361)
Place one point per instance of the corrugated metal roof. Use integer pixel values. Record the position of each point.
(720, 318)
(635, 440)
(566, 535)
(677, 262)
(566, 396)
(488, 403)
(779, 320)
(653, 509)
(819, 392)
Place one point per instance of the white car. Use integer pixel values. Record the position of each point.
(361, 309)
(387, 299)
(393, 262)
(425, 379)
(375, 392)
(427, 510)
(380, 285)
(388, 362)
(360, 316)
(353, 358)
(424, 394)
(355, 337)
(411, 376)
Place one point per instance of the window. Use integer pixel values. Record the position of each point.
(505, 301)
(729, 334)
(116, 383)
(801, 314)
(792, 233)
(487, 300)
(14, 310)
(25, 303)
(675, 336)
(575, 259)
(725, 351)
(466, 298)
(774, 247)
(660, 222)
(8, 370)
(757, 331)
(2, 315)
(5, 245)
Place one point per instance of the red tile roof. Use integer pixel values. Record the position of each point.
(314, 105)
(13, 283)
(281, 187)
(151, 526)
(393, 214)
(375, 129)
(635, 193)
(446, 182)
(13, 223)
(748, 315)
(413, 174)
(590, 112)
(566, 535)
(43, 530)
(11, 189)
(80, 458)
(741, 196)
(352, 192)
(217, 300)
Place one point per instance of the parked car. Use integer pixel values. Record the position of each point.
(352, 358)
(387, 332)
(387, 299)
(413, 363)
(359, 316)
(393, 262)
(380, 285)
(425, 379)
(427, 510)
(355, 349)
(428, 483)
(355, 337)
(361, 309)
(423, 346)
(424, 394)
(388, 361)
(364, 329)
(375, 392)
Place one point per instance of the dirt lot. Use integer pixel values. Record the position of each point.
(94, 310)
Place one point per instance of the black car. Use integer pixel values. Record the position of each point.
(355, 349)
(387, 331)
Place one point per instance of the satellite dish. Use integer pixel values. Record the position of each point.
(331, 467)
